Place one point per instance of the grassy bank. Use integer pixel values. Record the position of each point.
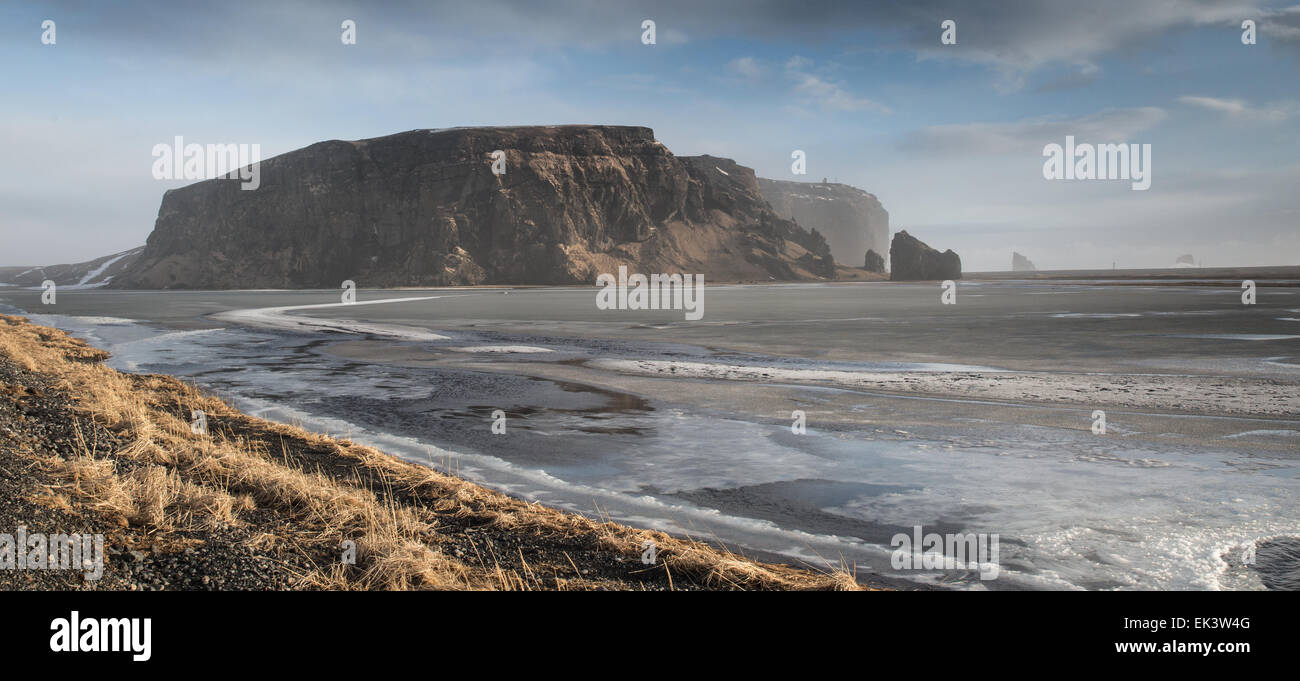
(259, 505)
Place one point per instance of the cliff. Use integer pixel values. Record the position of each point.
(424, 208)
(852, 220)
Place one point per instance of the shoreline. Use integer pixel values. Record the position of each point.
(259, 505)
(1264, 275)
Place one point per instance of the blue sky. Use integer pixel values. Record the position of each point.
(948, 137)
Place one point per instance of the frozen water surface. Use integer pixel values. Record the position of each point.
(1157, 503)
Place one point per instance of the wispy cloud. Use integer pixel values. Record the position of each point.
(1014, 37)
(825, 94)
(1030, 134)
(1282, 23)
(745, 67)
(1242, 110)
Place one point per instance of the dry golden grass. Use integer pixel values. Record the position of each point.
(167, 479)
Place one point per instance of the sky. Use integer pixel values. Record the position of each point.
(949, 137)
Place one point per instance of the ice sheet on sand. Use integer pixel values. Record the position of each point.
(503, 349)
(1235, 336)
(541, 486)
(1274, 433)
(92, 320)
(134, 354)
(718, 370)
(279, 318)
(1096, 315)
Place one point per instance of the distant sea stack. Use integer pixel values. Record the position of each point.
(852, 220)
(911, 260)
(424, 207)
(1020, 263)
(874, 262)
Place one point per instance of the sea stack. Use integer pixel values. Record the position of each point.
(910, 259)
(874, 262)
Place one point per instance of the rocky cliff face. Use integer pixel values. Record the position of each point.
(425, 208)
(852, 220)
(910, 259)
(732, 195)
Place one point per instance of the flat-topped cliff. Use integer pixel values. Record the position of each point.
(424, 207)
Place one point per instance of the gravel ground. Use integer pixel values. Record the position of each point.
(38, 420)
